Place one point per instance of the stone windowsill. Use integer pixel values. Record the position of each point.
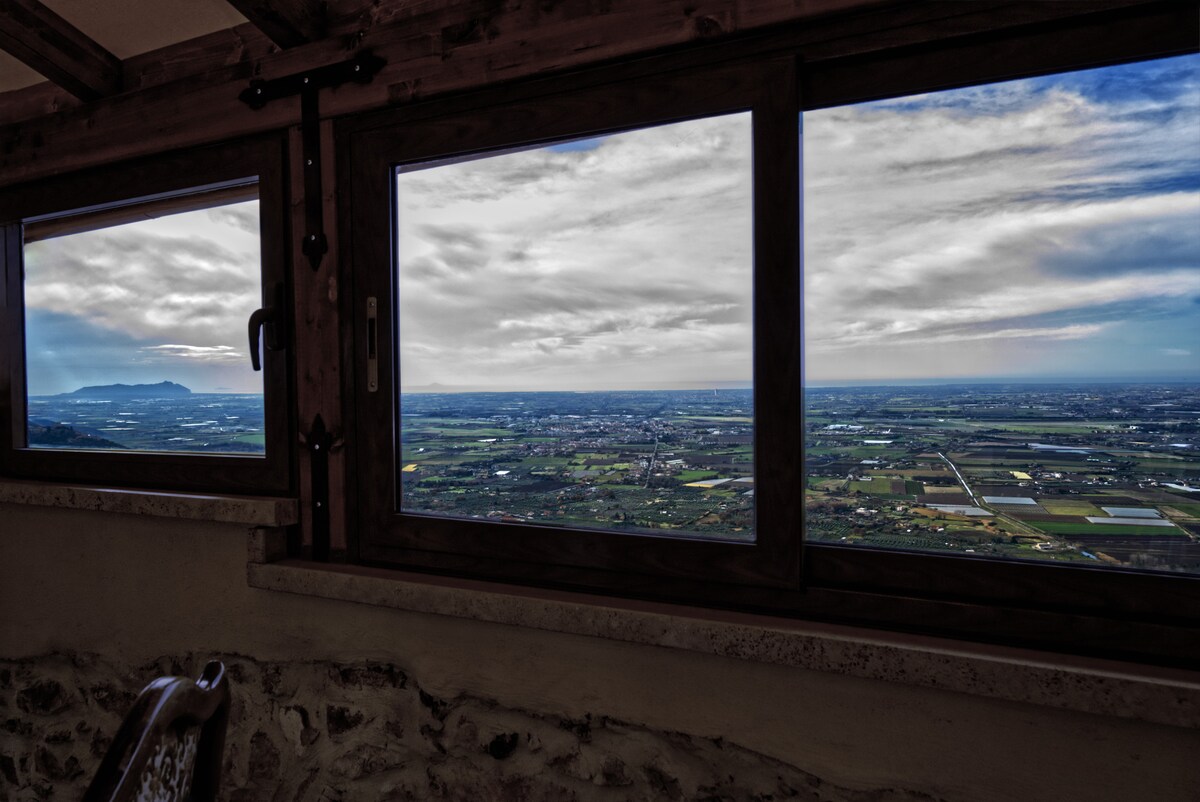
(251, 510)
(1158, 695)
(1152, 694)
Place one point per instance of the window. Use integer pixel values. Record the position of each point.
(128, 311)
(558, 333)
(464, 471)
(587, 362)
(1001, 327)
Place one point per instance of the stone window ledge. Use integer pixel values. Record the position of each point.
(251, 510)
(1146, 693)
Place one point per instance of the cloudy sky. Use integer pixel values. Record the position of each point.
(615, 263)
(1046, 228)
(154, 300)
(1042, 228)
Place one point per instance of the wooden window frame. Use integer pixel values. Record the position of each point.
(160, 182)
(374, 148)
(1112, 613)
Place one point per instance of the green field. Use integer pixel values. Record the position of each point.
(1044, 427)
(1055, 507)
(454, 431)
(1067, 529)
(875, 487)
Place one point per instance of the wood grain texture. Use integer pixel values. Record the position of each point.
(237, 50)
(316, 338)
(287, 23)
(38, 100)
(440, 49)
(58, 50)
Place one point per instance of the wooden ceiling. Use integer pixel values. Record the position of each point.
(80, 46)
(85, 82)
(57, 54)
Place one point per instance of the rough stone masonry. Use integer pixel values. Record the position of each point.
(326, 732)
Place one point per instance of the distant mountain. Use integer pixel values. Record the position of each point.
(163, 389)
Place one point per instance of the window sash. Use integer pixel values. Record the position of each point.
(105, 195)
(370, 156)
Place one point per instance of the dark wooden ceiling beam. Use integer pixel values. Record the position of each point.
(287, 23)
(58, 50)
(462, 46)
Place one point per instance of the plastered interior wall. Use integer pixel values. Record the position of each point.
(132, 589)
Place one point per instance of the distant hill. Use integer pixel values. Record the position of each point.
(163, 389)
(66, 437)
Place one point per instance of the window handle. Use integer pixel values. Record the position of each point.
(372, 344)
(271, 319)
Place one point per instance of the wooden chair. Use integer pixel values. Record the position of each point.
(169, 747)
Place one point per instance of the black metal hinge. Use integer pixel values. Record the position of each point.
(360, 70)
(320, 442)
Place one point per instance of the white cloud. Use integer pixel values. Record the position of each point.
(202, 353)
(193, 277)
(622, 265)
(991, 215)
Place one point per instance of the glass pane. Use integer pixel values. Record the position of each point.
(575, 333)
(1002, 314)
(135, 333)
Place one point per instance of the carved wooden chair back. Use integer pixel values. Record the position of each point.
(169, 747)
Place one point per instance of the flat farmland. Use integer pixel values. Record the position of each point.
(936, 489)
(876, 487)
(1101, 530)
(1056, 507)
(1072, 448)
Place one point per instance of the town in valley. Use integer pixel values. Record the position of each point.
(1103, 474)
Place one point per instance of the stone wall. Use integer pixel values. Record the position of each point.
(90, 602)
(326, 732)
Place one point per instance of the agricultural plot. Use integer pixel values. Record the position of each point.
(1098, 530)
(1055, 506)
(615, 461)
(1042, 460)
(880, 487)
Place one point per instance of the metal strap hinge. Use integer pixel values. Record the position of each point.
(360, 69)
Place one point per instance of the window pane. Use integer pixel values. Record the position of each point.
(135, 331)
(1002, 308)
(575, 333)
